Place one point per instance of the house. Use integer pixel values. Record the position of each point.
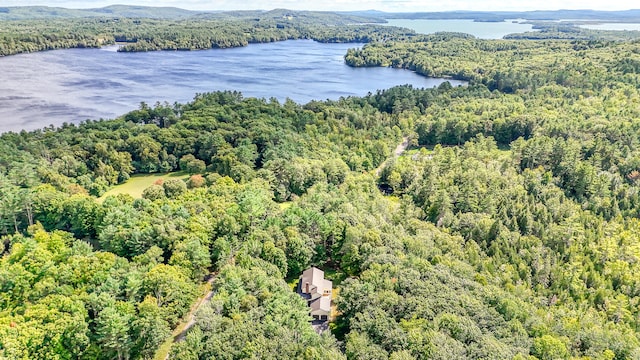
(317, 291)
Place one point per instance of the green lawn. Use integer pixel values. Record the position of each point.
(285, 205)
(138, 182)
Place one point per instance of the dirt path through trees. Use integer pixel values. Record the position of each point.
(397, 152)
(204, 300)
(180, 332)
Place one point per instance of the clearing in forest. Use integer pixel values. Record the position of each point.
(138, 182)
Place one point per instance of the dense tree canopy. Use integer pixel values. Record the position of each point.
(192, 33)
(509, 229)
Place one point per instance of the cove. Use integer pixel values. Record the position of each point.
(53, 87)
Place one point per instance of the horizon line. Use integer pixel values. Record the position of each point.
(334, 11)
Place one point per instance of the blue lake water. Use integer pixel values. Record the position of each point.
(482, 30)
(72, 85)
(612, 26)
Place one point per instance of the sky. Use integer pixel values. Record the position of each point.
(339, 5)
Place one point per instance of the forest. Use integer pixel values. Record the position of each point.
(508, 230)
(196, 32)
(30, 29)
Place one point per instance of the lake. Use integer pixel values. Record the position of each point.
(482, 30)
(53, 87)
(612, 26)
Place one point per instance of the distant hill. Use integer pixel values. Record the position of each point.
(145, 11)
(302, 16)
(46, 12)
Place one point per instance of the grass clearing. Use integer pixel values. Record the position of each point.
(285, 205)
(138, 182)
(334, 307)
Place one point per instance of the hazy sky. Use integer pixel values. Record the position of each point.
(385, 5)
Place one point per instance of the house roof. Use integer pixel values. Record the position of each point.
(317, 283)
(313, 276)
(317, 290)
(321, 306)
(327, 284)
